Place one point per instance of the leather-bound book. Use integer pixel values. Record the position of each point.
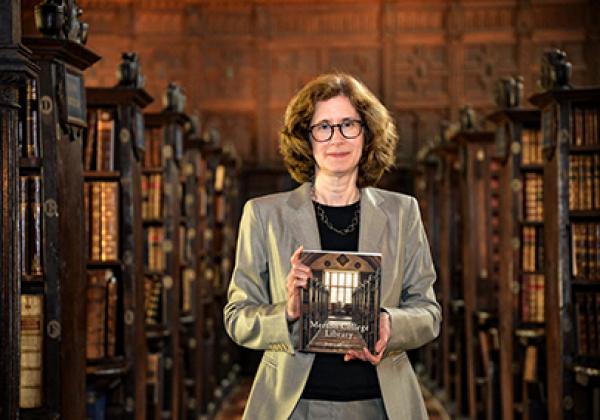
(32, 345)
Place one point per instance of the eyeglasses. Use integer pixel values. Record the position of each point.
(323, 131)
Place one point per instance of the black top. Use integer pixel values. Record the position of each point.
(330, 377)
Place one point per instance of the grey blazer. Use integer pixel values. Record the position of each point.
(271, 229)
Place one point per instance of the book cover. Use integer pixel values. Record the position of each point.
(340, 306)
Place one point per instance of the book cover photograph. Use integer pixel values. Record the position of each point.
(340, 305)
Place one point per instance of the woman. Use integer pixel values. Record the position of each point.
(337, 141)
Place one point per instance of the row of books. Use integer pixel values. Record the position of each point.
(30, 224)
(585, 249)
(585, 126)
(153, 289)
(584, 182)
(99, 144)
(532, 298)
(152, 196)
(533, 197)
(587, 313)
(153, 295)
(101, 212)
(101, 324)
(154, 252)
(31, 351)
(153, 157)
(532, 249)
(531, 145)
(28, 129)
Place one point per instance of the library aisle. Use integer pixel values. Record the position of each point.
(132, 133)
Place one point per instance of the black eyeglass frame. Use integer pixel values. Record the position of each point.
(361, 124)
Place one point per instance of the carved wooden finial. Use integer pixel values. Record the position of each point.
(129, 72)
(555, 70)
(174, 98)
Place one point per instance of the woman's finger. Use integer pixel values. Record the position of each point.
(295, 259)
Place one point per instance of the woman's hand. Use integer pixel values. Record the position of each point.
(297, 278)
(380, 346)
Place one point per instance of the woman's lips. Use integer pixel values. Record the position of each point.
(338, 154)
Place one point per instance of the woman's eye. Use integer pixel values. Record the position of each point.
(323, 126)
(347, 123)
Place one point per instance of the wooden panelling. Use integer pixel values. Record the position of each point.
(251, 56)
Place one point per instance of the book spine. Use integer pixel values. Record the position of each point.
(111, 317)
(95, 222)
(110, 221)
(31, 351)
(36, 213)
(32, 138)
(96, 313)
(106, 139)
(145, 196)
(219, 178)
(90, 140)
(23, 224)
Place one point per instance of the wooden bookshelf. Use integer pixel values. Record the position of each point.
(53, 260)
(17, 71)
(450, 272)
(191, 309)
(428, 191)
(477, 190)
(521, 289)
(122, 107)
(165, 136)
(569, 124)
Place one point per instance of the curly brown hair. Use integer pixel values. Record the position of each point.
(380, 136)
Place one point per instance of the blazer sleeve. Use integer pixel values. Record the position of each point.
(251, 319)
(416, 320)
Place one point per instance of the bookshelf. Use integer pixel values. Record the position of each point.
(521, 303)
(219, 200)
(113, 148)
(161, 218)
(17, 72)
(428, 190)
(478, 190)
(450, 272)
(571, 150)
(51, 311)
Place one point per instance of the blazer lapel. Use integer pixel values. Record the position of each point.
(370, 238)
(372, 222)
(304, 221)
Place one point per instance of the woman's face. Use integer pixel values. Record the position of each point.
(339, 156)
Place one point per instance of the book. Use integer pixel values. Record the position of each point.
(530, 364)
(112, 295)
(23, 224)
(36, 224)
(31, 357)
(97, 281)
(340, 306)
